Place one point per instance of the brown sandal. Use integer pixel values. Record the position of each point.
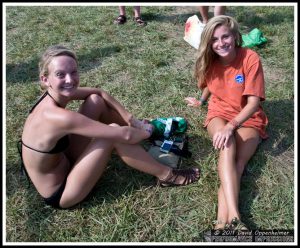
(237, 224)
(120, 20)
(190, 176)
(139, 21)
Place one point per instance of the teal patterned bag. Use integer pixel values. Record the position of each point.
(166, 127)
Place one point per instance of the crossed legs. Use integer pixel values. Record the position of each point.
(231, 164)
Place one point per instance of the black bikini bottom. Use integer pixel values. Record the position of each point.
(55, 198)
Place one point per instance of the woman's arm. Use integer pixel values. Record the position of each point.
(205, 93)
(192, 101)
(250, 108)
(76, 123)
(221, 137)
(83, 92)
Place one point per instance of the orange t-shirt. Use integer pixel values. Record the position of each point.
(231, 84)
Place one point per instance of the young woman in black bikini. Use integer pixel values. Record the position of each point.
(64, 153)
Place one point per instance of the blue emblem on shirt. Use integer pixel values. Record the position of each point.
(239, 78)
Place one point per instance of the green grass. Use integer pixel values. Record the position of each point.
(149, 70)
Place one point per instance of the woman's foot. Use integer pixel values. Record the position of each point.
(180, 177)
(220, 225)
(138, 20)
(121, 19)
(144, 125)
(237, 224)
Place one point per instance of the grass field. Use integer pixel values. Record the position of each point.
(149, 70)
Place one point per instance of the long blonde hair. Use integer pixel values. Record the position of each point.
(48, 55)
(205, 53)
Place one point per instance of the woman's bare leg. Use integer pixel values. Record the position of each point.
(219, 10)
(90, 156)
(247, 140)
(228, 204)
(204, 13)
(95, 108)
(92, 162)
(137, 11)
(122, 10)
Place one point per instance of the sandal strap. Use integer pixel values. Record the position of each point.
(217, 222)
(139, 21)
(121, 19)
(237, 224)
(186, 173)
(189, 175)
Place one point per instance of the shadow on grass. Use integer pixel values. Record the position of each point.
(248, 16)
(281, 126)
(119, 180)
(174, 18)
(28, 72)
(281, 137)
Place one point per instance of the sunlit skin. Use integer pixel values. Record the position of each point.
(223, 44)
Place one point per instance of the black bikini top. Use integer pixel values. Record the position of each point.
(41, 99)
(62, 144)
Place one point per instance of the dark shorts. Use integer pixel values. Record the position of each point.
(53, 200)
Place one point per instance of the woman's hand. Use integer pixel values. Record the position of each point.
(133, 122)
(221, 137)
(142, 125)
(135, 135)
(193, 102)
(130, 120)
(130, 135)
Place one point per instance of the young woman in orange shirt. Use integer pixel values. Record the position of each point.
(232, 78)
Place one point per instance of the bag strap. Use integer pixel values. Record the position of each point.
(184, 152)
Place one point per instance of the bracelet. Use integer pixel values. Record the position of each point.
(203, 101)
(235, 124)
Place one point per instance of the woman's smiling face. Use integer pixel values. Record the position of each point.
(63, 75)
(223, 43)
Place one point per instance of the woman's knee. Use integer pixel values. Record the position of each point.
(93, 107)
(95, 99)
(71, 198)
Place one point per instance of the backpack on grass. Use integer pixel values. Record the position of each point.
(169, 141)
